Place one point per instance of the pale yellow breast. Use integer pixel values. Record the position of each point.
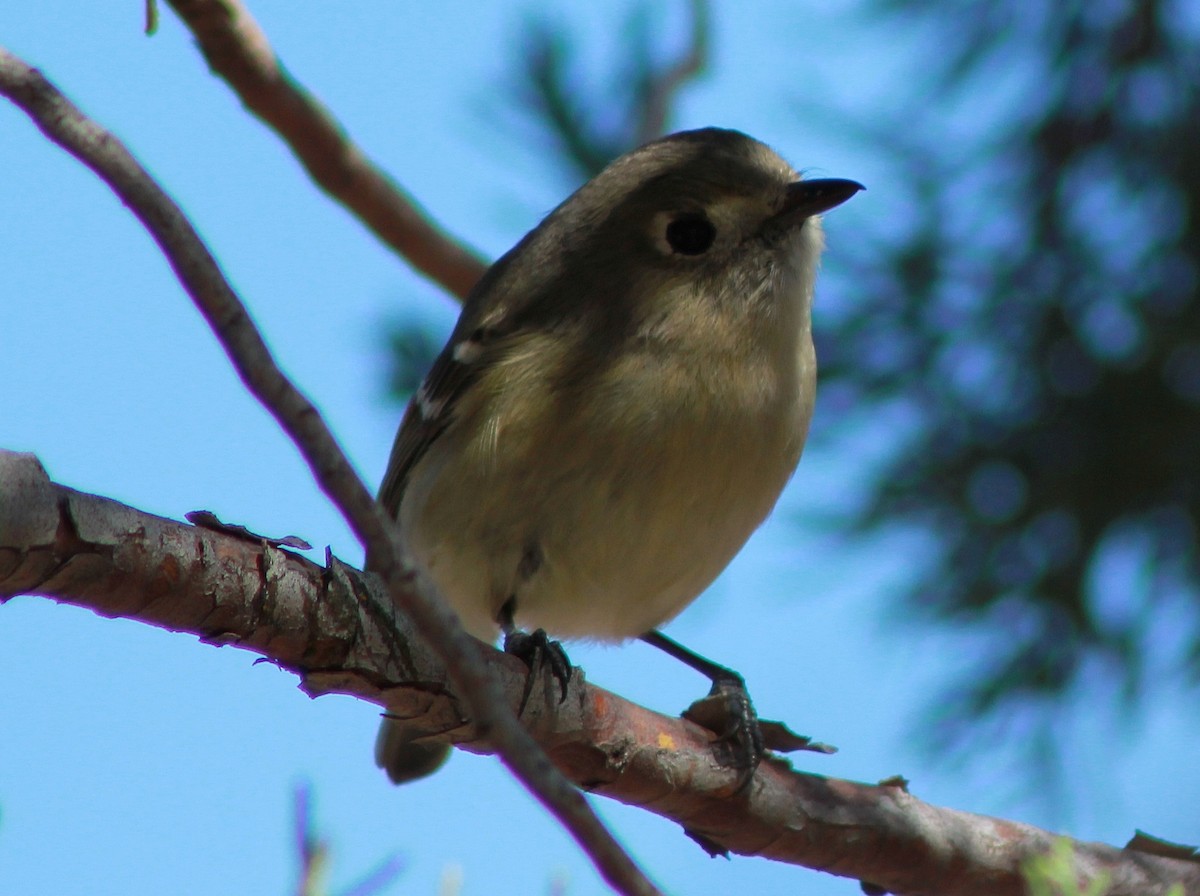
(635, 506)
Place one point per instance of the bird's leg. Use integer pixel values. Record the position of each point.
(533, 649)
(726, 711)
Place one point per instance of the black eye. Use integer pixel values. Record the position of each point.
(691, 234)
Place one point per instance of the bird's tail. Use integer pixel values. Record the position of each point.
(403, 758)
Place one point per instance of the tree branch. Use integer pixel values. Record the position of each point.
(196, 269)
(325, 625)
(238, 50)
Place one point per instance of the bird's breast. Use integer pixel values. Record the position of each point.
(634, 493)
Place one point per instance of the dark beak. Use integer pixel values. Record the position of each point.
(806, 198)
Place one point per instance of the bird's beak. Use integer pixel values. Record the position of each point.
(806, 198)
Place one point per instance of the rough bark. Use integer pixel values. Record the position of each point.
(333, 627)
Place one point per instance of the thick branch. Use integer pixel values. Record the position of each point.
(196, 269)
(324, 625)
(237, 50)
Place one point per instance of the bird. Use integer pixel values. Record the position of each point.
(619, 406)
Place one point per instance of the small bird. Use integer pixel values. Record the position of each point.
(624, 397)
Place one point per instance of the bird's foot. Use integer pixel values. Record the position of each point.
(729, 714)
(536, 650)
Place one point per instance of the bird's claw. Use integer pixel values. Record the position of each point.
(729, 714)
(535, 649)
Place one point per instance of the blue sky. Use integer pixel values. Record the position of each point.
(138, 761)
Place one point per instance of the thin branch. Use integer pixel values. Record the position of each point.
(238, 50)
(312, 849)
(317, 622)
(313, 853)
(196, 269)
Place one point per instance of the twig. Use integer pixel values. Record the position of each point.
(196, 269)
(96, 553)
(312, 849)
(238, 50)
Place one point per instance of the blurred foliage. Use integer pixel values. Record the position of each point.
(1028, 317)
(1037, 319)
(1054, 874)
(413, 345)
(589, 132)
(584, 132)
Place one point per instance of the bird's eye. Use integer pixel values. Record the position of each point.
(691, 234)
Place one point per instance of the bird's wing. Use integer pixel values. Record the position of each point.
(481, 336)
(428, 414)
